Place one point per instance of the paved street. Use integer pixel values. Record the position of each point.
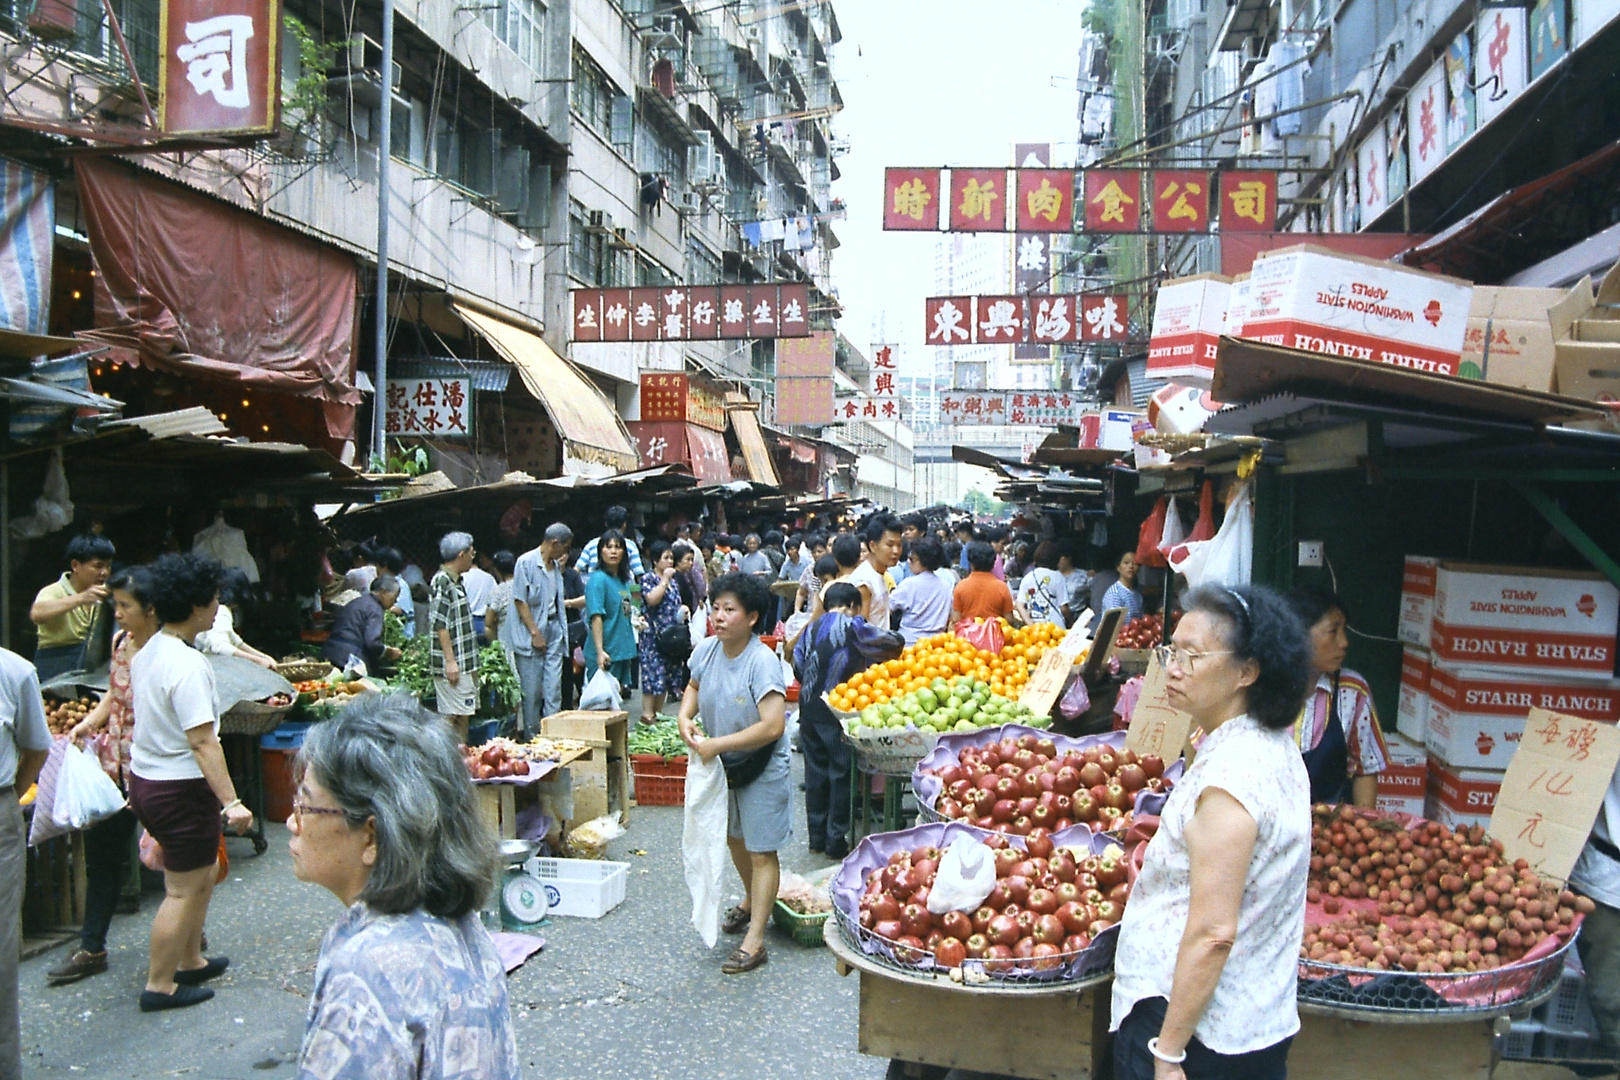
(632, 994)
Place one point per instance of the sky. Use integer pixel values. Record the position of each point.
(936, 82)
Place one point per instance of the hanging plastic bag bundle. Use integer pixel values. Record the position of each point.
(84, 794)
(703, 842)
(601, 693)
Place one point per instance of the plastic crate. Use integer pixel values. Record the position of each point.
(1567, 1012)
(659, 781)
(480, 733)
(288, 736)
(1519, 1044)
(583, 888)
(804, 929)
(1553, 1046)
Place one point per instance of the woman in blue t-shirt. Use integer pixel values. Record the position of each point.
(607, 611)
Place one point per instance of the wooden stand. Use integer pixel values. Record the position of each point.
(1332, 1047)
(602, 784)
(498, 804)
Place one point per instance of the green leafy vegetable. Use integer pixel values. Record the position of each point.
(662, 738)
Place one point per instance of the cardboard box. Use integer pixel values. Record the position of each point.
(1189, 316)
(1587, 358)
(1109, 429)
(1180, 410)
(1477, 715)
(1551, 621)
(1412, 706)
(1512, 333)
(1146, 455)
(1403, 786)
(1418, 578)
(1310, 298)
(1461, 796)
(1237, 306)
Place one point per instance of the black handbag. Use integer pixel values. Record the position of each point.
(748, 767)
(674, 643)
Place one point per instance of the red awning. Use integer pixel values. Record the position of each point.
(670, 442)
(204, 290)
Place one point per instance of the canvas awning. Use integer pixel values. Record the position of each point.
(744, 416)
(595, 442)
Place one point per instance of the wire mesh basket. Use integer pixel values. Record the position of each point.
(1464, 993)
(253, 718)
(893, 752)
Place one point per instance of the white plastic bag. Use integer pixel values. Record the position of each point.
(1174, 531)
(601, 693)
(966, 875)
(1228, 557)
(703, 843)
(698, 626)
(84, 795)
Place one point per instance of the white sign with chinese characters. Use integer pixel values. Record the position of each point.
(1046, 409)
(432, 407)
(885, 369)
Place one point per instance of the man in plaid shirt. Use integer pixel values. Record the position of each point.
(452, 637)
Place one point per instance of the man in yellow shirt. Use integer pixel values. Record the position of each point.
(65, 610)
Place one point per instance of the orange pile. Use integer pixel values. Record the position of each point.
(945, 656)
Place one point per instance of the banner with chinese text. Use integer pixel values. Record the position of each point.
(438, 407)
(985, 407)
(1037, 319)
(698, 313)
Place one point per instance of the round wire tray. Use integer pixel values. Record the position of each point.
(1454, 994)
(1088, 966)
(253, 718)
(882, 755)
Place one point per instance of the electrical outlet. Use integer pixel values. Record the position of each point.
(1310, 553)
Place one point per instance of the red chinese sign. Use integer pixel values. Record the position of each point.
(885, 370)
(220, 69)
(1037, 319)
(978, 200)
(911, 199)
(1045, 200)
(1180, 201)
(1104, 318)
(1248, 201)
(436, 407)
(678, 313)
(949, 320)
(1113, 200)
(663, 396)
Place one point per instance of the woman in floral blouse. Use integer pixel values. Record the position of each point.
(408, 985)
(1205, 970)
(112, 721)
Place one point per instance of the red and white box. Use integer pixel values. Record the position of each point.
(1477, 715)
(1309, 298)
(1189, 317)
(1461, 796)
(1419, 576)
(1110, 429)
(1412, 704)
(1403, 786)
(1180, 410)
(1556, 622)
(1237, 306)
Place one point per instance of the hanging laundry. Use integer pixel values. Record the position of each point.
(750, 231)
(773, 229)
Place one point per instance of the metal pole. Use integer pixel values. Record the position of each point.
(379, 438)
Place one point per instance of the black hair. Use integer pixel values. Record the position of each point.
(795, 540)
(88, 546)
(234, 587)
(752, 593)
(847, 550)
(181, 583)
(390, 559)
(1261, 626)
(916, 521)
(135, 581)
(1046, 555)
(1311, 604)
(504, 561)
(614, 517)
(655, 551)
(966, 527)
(1067, 548)
(953, 552)
(874, 528)
(773, 538)
(624, 562)
(816, 539)
(841, 594)
(826, 565)
(981, 556)
(929, 552)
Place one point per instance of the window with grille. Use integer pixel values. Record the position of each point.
(519, 23)
(592, 94)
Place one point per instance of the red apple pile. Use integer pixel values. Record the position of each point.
(1443, 900)
(1048, 905)
(1145, 631)
(1020, 785)
(492, 761)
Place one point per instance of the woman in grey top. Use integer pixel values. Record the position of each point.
(736, 686)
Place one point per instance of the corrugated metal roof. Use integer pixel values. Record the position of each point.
(193, 421)
(488, 375)
(1142, 387)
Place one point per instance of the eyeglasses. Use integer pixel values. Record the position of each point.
(300, 808)
(1172, 656)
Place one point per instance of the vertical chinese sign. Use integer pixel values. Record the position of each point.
(1043, 204)
(220, 68)
(884, 388)
(804, 379)
(441, 408)
(1248, 201)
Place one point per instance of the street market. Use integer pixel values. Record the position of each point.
(631, 537)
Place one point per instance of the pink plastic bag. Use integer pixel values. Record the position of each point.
(1076, 700)
(985, 635)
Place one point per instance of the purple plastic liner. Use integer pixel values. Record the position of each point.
(538, 770)
(873, 853)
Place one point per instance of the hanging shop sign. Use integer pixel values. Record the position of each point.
(1372, 177)
(433, 407)
(1426, 122)
(1110, 200)
(885, 370)
(1459, 62)
(986, 407)
(1039, 319)
(1501, 60)
(697, 313)
(804, 378)
(220, 68)
(1040, 210)
(673, 396)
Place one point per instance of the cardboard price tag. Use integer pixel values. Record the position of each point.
(1047, 682)
(1156, 726)
(1553, 790)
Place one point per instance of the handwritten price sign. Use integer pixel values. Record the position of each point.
(1157, 727)
(1553, 789)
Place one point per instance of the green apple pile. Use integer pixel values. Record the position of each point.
(958, 704)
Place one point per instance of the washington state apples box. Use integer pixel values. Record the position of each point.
(1457, 796)
(1418, 579)
(1189, 316)
(1555, 622)
(1108, 429)
(1403, 786)
(1477, 715)
(1310, 298)
(1412, 704)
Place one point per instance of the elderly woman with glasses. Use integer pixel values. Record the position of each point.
(1205, 969)
(408, 984)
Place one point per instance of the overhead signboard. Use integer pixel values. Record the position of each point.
(986, 407)
(1501, 60)
(698, 313)
(441, 408)
(1039, 319)
(220, 68)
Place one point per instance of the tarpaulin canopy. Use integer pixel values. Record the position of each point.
(743, 414)
(195, 287)
(594, 438)
(666, 442)
(27, 225)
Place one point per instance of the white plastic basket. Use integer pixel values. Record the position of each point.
(586, 888)
(1567, 1012)
(1519, 1044)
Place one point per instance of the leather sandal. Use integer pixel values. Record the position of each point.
(736, 920)
(739, 961)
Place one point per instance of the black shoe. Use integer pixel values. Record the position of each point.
(78, 966)
(837, 849)
(152, 1001)
(817, 847)
(197, 976)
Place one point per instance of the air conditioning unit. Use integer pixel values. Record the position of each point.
(689, 202)
(599, 221)
(702, 165)
(624, 239)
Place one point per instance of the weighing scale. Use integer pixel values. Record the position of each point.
(524, 898)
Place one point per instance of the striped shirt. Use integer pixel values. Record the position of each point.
(1367, 755)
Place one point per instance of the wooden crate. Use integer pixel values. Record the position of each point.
(497, 806)
(601, 784)
(1331, 1048)
(53, 890)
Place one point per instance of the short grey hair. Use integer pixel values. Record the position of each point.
(384, 758)
(558, 533)
(385, 583)
(454, 544)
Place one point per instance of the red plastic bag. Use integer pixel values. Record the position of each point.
(1205, 529)
(985, 635)
(1147, 541)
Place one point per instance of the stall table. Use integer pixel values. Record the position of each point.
(498, 802)
(603, 785)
